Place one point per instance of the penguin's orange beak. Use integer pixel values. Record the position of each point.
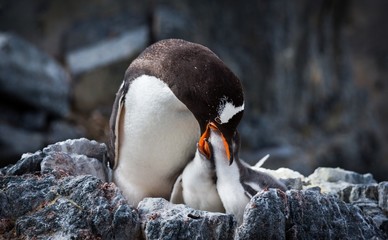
(203, 144)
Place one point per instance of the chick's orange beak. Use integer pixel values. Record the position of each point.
(203, 144)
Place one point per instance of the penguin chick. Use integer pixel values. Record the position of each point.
(237, 182)
(196, 186)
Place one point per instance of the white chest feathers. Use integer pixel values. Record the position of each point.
(157, 136)
(199, 185)
(230, 190)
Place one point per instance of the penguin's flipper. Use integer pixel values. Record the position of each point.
(261, 161)
(177, 192)
(262, 180)
(254, 181)
(115, 122)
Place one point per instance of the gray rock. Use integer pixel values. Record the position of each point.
(61, 192)
(360, 192)
(366, 197)
(304, 215)
(264, 217)
(32, 77)
(383, 196)
(29, 163)
(382, 221)
(76, 157)
(334, 180)
(73, 165)
(372, 210)
(71, 157)
(164, 220)
(82, 146)
(338, 174)
(108, 51)
(70, 207)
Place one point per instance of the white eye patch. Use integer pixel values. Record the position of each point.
(227, 110)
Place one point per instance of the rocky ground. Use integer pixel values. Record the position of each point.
(63, 191)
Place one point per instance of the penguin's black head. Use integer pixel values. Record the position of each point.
(209, 89)
(200, 80)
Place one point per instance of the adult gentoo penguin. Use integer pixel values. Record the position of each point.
(231, 183)
(170, 93)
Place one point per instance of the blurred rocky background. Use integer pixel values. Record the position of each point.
(314, 72)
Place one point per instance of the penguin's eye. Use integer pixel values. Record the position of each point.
(218, 120)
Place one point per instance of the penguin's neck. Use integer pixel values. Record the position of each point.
(158, 136)
(223, 169)
(229, 187)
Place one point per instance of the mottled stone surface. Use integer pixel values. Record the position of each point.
(383, 196)
(71, 157)
(333, 180)
(80, 146)
(322, 174)
(70, 207)
(304, 214)
(76, 157)
(164, 220)
(360, 190)
(61, 192)
(383, 205)
(29, 163)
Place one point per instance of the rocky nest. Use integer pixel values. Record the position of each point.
(63, 192)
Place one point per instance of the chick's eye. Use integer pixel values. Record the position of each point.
(218, 120)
